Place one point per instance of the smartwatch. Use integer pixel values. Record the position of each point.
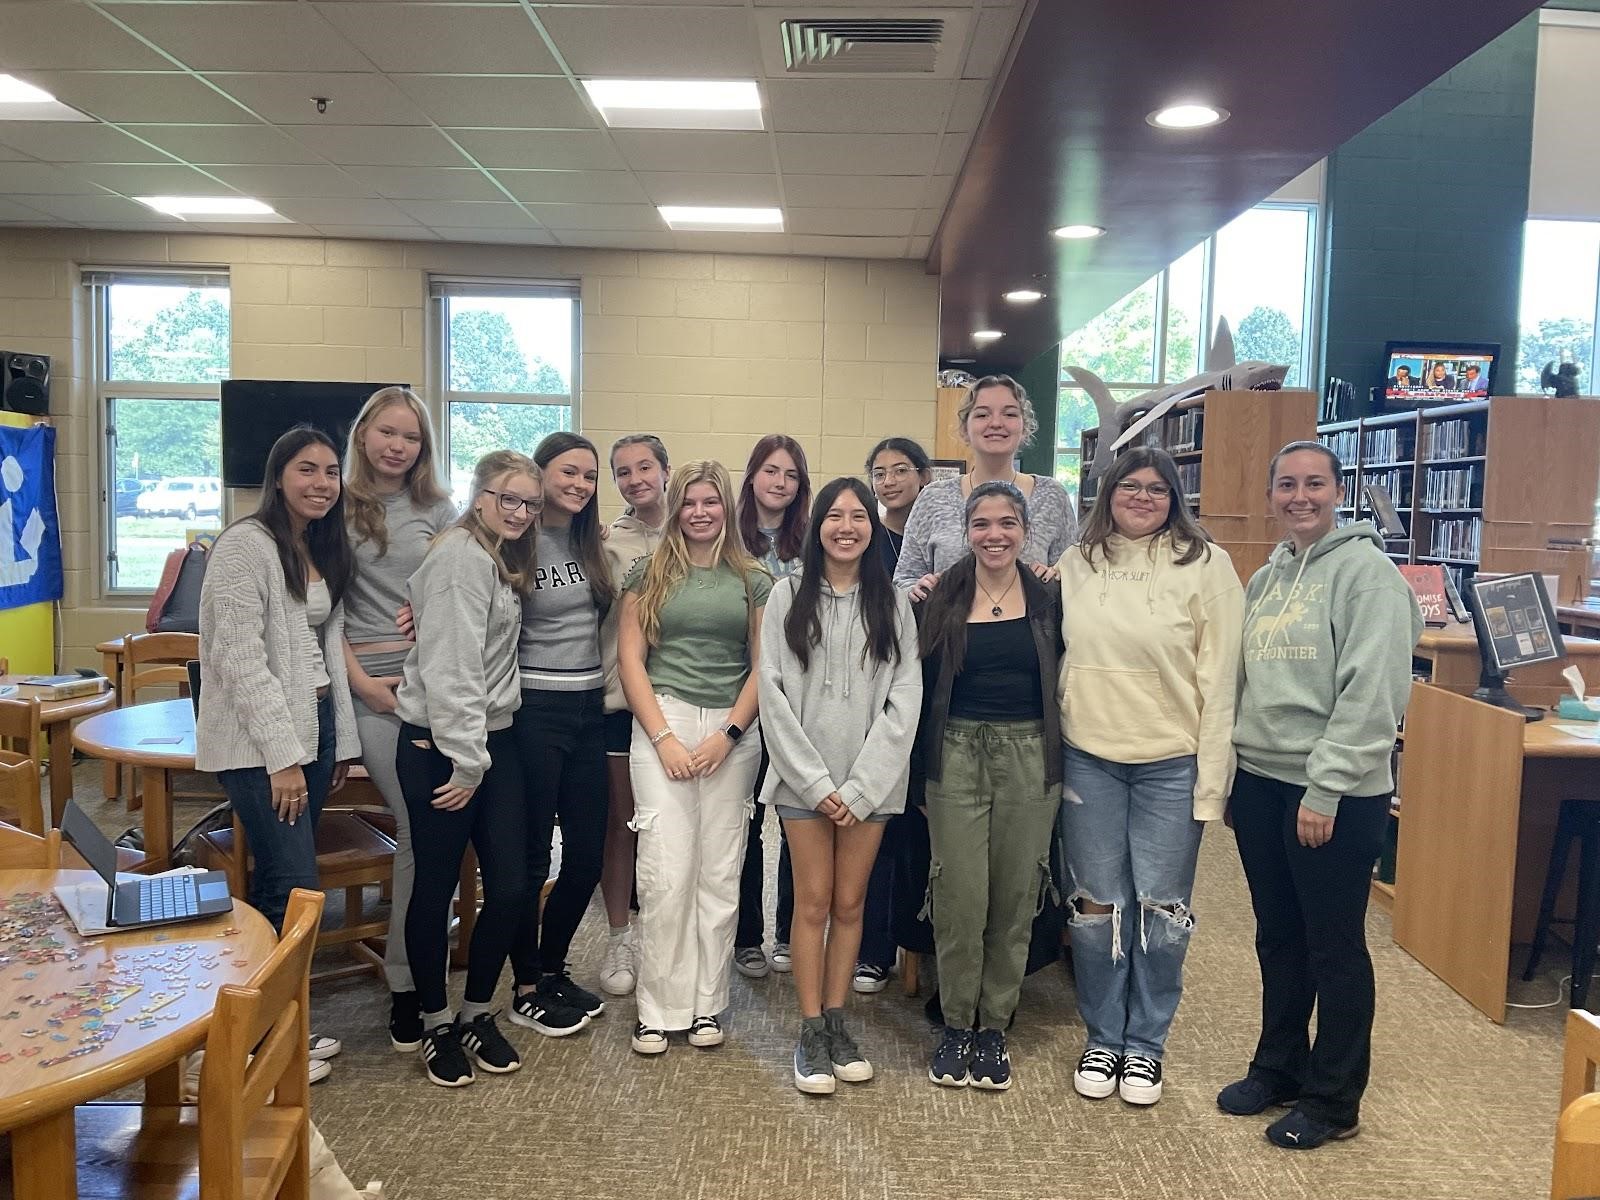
(733, 731)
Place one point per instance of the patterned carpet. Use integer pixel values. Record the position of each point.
(1459, 1108)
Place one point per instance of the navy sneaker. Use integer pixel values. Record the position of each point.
(952, 1059)
(558, 990)
(481, 1038)
(1297, 1131)
(1252, 1095)
(991, 1062)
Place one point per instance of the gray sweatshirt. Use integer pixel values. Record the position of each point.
(378, 588)
(843, 725)
(936, 539)
(559, 650)
(460, 681)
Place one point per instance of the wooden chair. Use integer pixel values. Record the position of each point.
(250, 1135)
(1577, 1158)
(21, 797)
(24, 851)
(21, 730)
(151, 660)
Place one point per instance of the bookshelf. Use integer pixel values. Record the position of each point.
(1222, 442)
(1482, 485)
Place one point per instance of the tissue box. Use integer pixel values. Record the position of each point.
(1573, 709)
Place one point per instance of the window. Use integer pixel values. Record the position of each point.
(1257, 271)
(508, 362)
(1556, 318)
(161, 351)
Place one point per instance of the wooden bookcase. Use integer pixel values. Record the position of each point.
(1222, 442)
(1481, 485)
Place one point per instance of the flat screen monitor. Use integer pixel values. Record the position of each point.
(1515, 624)
(257, 412)
(1439, 372)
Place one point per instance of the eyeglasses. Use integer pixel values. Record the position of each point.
(1156, 491)
(509, 503)
(899, 473)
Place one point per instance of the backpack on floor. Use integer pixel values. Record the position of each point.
(175, 607)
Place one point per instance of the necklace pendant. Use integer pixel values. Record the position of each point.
(995, 610)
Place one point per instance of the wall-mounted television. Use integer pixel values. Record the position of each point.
(257, 412)
(1438, 372)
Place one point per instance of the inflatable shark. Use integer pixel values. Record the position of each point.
(1133, 417)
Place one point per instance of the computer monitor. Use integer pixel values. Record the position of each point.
(1516, 627)
(1438, 372)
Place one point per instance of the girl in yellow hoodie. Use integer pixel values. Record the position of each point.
(1151, 616)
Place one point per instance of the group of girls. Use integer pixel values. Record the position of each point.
(1098, 689)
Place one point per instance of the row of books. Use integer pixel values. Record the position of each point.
(1384, 445)
(1460, 437)
(1181, 432)
(1394, 480)
(1343, 444)
(1189, 477)
(1452, 487)
(1456, 537)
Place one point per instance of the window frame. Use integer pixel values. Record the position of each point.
(98, 282)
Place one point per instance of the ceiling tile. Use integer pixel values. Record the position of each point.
(550, 150)
(952, 153)
(41, 179)
(971, 97)
(71, 141)
(856, 222)
(225, 143)
(136, 96)
(641, 217)
(733, 243)
(466, 214)
(701, 149)
(421, 183)
(850, 247)
(97, 209)
(292, 181)
(990, 41)
(391, 146)
(152, 179)
(860, 105)
(530, 236)
(644, 43)
(854, 191)
(919, 246)
(927, 222)
(399, 233)
(601, 239)
(11, 211)
(417, 37)
(338, 211)
(696, 187)
(46, 36)
(497, 101)
(354, 98)
(863, 154)
(567, 187)
(244, 36)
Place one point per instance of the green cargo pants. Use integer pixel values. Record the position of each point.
(990, 820)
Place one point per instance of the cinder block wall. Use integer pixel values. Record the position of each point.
(709, 350)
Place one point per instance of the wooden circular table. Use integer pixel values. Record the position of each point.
(57, 717)
(82, 1017)
(158, 737)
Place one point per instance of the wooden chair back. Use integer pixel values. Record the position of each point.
(269, 1018)
(21, 798)
(157, 660)
(24, 851)
(21, 729)
(1576, 1171)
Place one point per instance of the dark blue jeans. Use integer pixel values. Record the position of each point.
(285, 855)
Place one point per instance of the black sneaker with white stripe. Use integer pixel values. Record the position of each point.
(482, 1039)
(534, 1010)
(559, 991)
(444, 1058)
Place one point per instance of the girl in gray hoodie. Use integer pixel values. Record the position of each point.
(841, 689)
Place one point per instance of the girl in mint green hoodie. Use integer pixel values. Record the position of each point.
(1329, 629)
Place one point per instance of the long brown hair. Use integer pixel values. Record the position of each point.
(327, 542)
(1189, 540)
(790, 541)
(584, 531)
(365, 506)
(514, 560)
(669, 566)
(802, 628)
(944, 628)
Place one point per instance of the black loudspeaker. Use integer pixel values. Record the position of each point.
(25, 383)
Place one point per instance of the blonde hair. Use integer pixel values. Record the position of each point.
(363, 502)
(669, 565)
(515, 560)
(1030, 420)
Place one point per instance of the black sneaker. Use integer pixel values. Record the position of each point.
(535, 1011)
(444, 1058)
(559, 991)
(991, 1062)
(1097, 1073)
(405, 1022)
(1252, 1095)
(1141, 1079)
(482, 1039)
(1297, 1131)
(952, 1058)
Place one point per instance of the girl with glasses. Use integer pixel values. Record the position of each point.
(898, 470)
(1150, 616)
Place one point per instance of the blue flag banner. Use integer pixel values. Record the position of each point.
(30, 535)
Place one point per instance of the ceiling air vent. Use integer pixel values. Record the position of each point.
(853, 45)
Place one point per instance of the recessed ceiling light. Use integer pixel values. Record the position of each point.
(986, 335)
(677, 103)
(711, 219)
(212, 208)
(21, 101)
(1023, 296)
(960, 361)
(1187, 116)
(1074, 233)
(14, 91)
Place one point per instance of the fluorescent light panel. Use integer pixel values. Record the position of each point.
(213, 208)
(986, 335)
(21, 101)
(709, 219)
(1024, 296)
(1077, 233)
(677, 103)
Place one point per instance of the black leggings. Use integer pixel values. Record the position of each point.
(494, 821)
(562, 745)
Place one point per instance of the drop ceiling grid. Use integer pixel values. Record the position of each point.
(419, 140)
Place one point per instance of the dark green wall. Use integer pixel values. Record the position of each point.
(1042, 378)
(1425, 212)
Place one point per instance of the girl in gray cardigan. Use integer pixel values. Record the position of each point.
(841, 689)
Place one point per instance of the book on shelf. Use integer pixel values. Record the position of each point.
(1394, 480)
(62, 687)
(1427, 582)
(1181, 431)
(1381, 445)
(1452, 487)
(1456, 537)
(1344, 443)
(1455, 438)
(1189, 478)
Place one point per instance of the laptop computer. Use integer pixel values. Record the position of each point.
(136, 903)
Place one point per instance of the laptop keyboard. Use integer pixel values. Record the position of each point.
(167, 899)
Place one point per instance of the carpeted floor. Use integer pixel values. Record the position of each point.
(1459, 1108)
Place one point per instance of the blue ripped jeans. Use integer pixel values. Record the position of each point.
(1131, 842)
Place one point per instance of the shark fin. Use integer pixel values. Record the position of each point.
(1222, 354)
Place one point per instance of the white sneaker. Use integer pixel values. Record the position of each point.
(617, 970)
(705, 1032)
(324, 1047)
(1096, 1076)
(321, 1068)
(781, 962)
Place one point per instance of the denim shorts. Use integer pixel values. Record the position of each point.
(811, 814)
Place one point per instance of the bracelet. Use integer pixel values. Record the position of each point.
(657, 738)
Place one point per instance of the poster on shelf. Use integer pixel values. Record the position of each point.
(30, 535)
